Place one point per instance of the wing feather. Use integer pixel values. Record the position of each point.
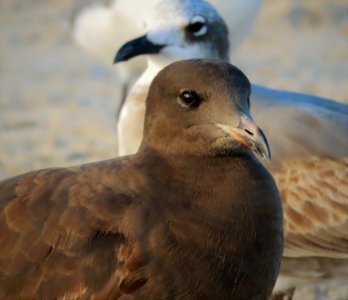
(314, 194)
(59, 233)
(308, 137)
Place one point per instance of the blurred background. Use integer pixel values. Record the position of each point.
(58, 104)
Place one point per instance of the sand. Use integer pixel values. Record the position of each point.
(57, 104)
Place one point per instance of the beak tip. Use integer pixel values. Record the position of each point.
(268, 154)
(263, 148)
(123, 54)
(257, 143)
(117, 59)
(267, 157)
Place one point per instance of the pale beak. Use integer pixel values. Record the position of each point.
(248, 134)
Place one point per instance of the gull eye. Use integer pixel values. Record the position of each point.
(197, 26)
(188, 99)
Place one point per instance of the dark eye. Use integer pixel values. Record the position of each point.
(197, 26)
(188, 99)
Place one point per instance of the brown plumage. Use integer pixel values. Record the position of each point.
(308, 137)
(192, 215)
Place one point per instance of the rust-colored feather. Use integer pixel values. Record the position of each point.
(314, 194)
(55, 233)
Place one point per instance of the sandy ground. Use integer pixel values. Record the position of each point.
(57, 105)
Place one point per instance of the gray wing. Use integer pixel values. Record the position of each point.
(308, 137)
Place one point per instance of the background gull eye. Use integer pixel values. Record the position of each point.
(188, 99)
(197, 26)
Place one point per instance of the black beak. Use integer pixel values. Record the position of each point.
(136, 47)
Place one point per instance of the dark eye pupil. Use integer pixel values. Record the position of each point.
(195, 27)
(190, 99)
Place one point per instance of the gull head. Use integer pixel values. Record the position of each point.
(180, 29)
